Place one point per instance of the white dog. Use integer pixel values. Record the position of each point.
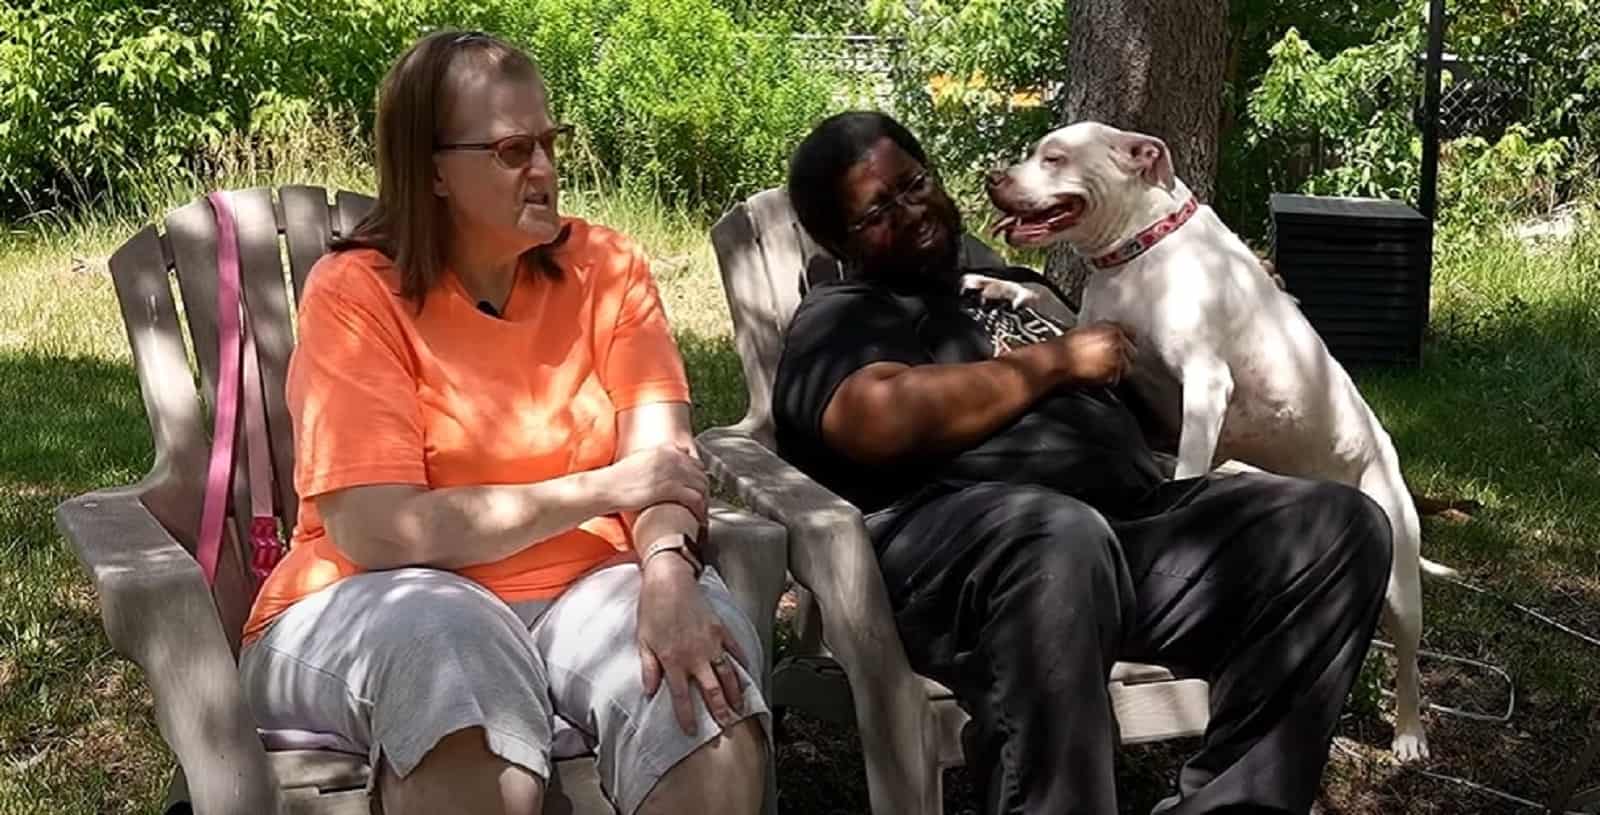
(1258, 385)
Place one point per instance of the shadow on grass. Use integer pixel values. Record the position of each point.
(73, 715)
(1505, 411)
(73, 423)
(716, 380)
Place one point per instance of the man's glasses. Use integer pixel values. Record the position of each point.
(514, 152)
(915, 191)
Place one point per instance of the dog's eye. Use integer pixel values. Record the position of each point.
(1051, 159)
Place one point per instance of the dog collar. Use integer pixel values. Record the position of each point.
(1152, 234)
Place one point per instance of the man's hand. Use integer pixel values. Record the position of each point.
(683, 641)
(1096, 354)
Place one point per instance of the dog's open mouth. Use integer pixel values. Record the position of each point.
(1030, 227)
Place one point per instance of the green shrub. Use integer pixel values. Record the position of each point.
(1360, 141)
(1514, 177)
(1345, 124)
(683, 102)
(974, 79)
(99, 97)
(111, 99)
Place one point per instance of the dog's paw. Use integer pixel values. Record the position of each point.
(1410, 744)
(989, 288)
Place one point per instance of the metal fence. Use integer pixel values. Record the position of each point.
(1483, 97)
(866, 62)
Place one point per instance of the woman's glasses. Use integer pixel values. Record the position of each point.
(514, 152)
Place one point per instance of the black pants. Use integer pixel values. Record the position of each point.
(1020, 598)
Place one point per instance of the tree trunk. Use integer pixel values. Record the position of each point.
(1152, 66)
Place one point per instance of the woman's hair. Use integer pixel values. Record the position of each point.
(822, 160)
(409, 223)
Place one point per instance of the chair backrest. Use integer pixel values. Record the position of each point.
(280, 237)
(766, 257)
(762, 252)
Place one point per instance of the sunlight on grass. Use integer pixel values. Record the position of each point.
(1507, 410)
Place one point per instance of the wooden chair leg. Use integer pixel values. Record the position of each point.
(807, 624)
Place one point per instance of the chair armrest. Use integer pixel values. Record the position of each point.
(828, 540)
(751, 553)
(831, 555)
(768, 484)
(158, 612)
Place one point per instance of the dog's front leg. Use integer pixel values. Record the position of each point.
(1207, 386)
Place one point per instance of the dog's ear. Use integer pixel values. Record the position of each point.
(1148, 156)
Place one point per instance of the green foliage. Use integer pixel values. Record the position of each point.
(1514, 177)
(102, 98)
(811, 16)
(699, 101)
(1360, 142)
(1557, 41)
(683, 101)
(975, 79)
(93, 96)
(1344, 125)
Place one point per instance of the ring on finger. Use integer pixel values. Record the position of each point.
(720, 660)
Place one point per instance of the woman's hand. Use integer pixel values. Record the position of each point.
(683, 641)
(657, 475)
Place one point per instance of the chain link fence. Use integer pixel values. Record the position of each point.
(1482, 97)
(863, 62)
(1479, 97)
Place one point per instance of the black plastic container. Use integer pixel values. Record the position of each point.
(1362, 269)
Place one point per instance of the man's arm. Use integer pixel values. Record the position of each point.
(888, 411)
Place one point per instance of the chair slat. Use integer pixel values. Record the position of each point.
(261, 267)
(144, 292)
(306, 228)
(757, 330)
(779, 234)
(762, 252)
(192, 236)
(352, 207)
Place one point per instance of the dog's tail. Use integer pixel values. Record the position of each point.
(1438, 570)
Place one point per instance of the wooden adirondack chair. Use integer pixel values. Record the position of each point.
(136, 542)
(850, 663)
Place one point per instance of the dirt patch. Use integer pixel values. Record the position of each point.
(820, 769)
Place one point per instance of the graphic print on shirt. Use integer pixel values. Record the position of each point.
(1010, 328)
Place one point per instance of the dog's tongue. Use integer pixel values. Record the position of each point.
(1003, 225)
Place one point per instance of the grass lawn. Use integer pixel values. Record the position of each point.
(1506, 410)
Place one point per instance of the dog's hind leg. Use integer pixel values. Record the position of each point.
(1403, 607)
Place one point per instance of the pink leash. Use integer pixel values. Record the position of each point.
(233, 331)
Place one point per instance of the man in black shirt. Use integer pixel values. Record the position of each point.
(1025, 532)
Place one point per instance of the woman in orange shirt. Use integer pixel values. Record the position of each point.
(494, 558)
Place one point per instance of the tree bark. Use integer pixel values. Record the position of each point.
(1152, 66)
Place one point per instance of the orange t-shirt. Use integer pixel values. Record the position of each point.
(381, 394)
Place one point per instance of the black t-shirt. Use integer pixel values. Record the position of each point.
(1081, 441)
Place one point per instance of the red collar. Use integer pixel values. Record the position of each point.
(1152, 234)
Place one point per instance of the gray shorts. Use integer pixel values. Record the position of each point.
(388, 663)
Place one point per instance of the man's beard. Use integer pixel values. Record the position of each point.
(911, 261)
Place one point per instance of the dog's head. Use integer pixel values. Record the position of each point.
(1086, 183)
